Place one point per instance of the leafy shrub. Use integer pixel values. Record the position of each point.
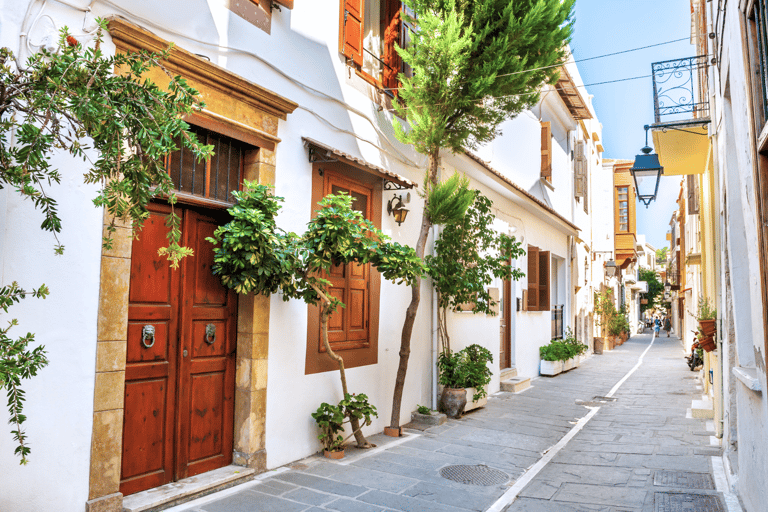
(467, 368)
(330, 419)
(562, 350)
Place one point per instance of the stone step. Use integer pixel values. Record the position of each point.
(508, 374)
(187, 489)
(516, 384)
(702, 408)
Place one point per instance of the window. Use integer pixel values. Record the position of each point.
(538, 279)
(622, 194)
(546, 151)
(580, 174)
(352, 330)
(214, 179)
(370, 29)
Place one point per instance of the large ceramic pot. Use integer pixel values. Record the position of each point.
(707, 343)
(598, 343)
(452, 402)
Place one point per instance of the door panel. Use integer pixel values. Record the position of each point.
(179, 391)
(148, 417)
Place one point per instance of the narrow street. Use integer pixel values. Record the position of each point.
(615, 434)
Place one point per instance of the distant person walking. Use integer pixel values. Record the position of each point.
(657, 326)
(667, 326)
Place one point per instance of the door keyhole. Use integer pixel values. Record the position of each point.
(185, 352)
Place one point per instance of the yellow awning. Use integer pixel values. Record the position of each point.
(682, 151)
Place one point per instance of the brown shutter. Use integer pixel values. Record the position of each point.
(546, 151)
(533, 278)
(544, 281)
(352, 30)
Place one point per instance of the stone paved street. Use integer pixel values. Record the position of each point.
(629, 455)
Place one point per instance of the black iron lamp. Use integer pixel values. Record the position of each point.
(397, 209)
(611, 269)
(667, 287)
(647, 172)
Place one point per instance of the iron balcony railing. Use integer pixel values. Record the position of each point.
(676, 90)
(557, 322)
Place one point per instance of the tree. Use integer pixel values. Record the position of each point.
(255, 256)
(655, 288)
(72, 100)
(476, 63)
(468, 255)
(661, 256)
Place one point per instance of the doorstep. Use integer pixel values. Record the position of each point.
(176, 493)
(516, 384)
(702, 408)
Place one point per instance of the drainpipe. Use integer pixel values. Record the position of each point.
(435, 348)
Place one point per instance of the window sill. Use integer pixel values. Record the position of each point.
(748, 377)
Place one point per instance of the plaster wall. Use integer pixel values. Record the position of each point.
(65, 323)
(734, 168)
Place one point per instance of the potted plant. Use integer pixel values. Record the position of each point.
(330, 420)
(464, 374)
(707, 317)
(560, 355)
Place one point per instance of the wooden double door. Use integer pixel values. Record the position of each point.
(180, 365)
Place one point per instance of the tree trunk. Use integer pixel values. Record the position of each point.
(410, 313)
(354, 422)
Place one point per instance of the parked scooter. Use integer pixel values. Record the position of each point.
(695, 361)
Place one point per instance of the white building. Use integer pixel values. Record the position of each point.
(113, 410)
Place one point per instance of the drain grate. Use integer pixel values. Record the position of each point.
(474, 475)
(604, 398)
(683, 479)
(675, 502)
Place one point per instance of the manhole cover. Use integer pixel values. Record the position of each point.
(674, 502)
(683, 479)
(474, 475)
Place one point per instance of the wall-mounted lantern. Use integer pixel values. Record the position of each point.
(397, 209)
(647, 173)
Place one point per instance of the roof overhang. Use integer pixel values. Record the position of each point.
(569, 93)
(320, 152)
(682, 149)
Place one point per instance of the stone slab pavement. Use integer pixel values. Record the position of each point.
(634, 454)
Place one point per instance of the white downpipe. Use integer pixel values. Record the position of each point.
(435, 348)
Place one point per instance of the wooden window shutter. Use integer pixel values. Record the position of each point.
(352, 30)
(544, 281)
(546, 151)
(579, 171)
(533, 278)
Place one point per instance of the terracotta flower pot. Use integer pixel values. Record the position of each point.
(393, 432)
(707, 343)
(336, 454)
(452, 402)
(598, 344)
(708, 327)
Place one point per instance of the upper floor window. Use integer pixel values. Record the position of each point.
(370, 29)
(546, 151)
(622, 194)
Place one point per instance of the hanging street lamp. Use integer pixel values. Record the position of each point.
(647, 173)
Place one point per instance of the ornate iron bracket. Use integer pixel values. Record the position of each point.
(320, 156)
(391, 185)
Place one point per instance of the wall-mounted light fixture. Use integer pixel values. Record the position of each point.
(397, 209)
(611, 269)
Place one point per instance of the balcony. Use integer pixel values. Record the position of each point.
(681, 114)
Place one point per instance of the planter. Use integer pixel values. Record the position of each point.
(433, 418)
(471, 404)
(598, 345)
(551, 368)
(708, 327)
(336, 454)
(617, 341)
(452, 402)
(569, 364)
(707, 343)
(393, 432)
(608, 343)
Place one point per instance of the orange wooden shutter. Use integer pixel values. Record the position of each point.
(352, 30)
(544, 281)
(533, 278)
(546, 151)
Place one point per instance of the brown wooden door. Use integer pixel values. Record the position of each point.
(505, 334)
(179, 383)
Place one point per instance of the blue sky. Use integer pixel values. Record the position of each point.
(623, 108)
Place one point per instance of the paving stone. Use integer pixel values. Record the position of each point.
(373, 479)
(308, 496)
(453, 497)
(252, 501)
(347, 505)
(600, 495)
(322, 484)
(274, 487)
(406, 503)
